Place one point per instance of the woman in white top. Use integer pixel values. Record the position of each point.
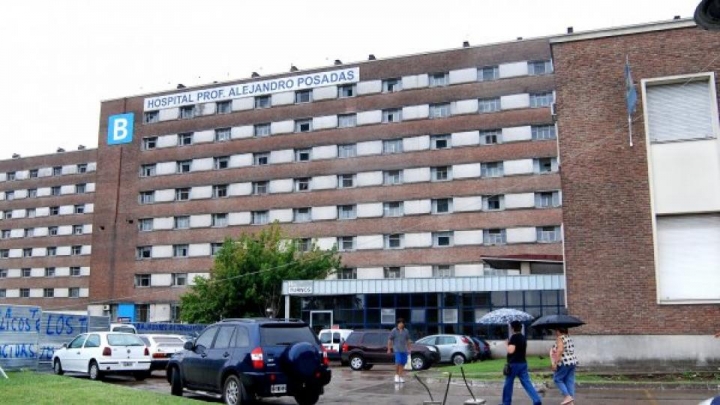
(564, 361)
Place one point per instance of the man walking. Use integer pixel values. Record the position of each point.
(516, 348)
(399, 342)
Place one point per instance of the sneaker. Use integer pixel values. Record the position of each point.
(397, 378)
(401, 379)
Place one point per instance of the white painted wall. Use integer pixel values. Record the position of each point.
(617, 350)
(515, 101)
(521, 200)
(465, 171)
(164, 195)
(169, 114)
(473, 237)
(199, 249)
(463, 75)
(324, 152)
(245, 131)
(464, 107)
(203, 164)
(324, 213)
(281, 186)
(239, 218)
(520, 166)
(325, 243)
(369, 179)
(200, 221)
(418, 271)
(365, 242)
(282, 127)
(201, 192)
(416, 175)
(325, 122)
(204, 136)
(241, 104)
(369, 87)
(415, 112)
(369, 210)
(468, 270)
(163, 223)
(369, 117)
(414, 207)
(465, 138)
(416, 143)
(282, 156)
(241, 160)
(323, 182)
(324, 93)
(161, 251)
(467, 204)
(160, 280)
(418, 240)
(284, 98)
(67, 189)
(167, 141)
(513, 69)
(236, 189)
(208, 108)
(281, 215)
(514, 134)
(415, 81)
(369, 148)
(521, 235)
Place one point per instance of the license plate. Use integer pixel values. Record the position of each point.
(128, 364)
(278, 389)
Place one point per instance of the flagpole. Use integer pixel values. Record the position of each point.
(630, 90)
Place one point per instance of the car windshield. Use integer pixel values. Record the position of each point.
(286, 335)
(123, 339)
(326, 337)
(123, 329)
(168, 341)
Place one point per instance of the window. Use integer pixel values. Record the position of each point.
(391, 85)
(76, 250)
(151, 117)
(223, 107)
(80, 188)
(347, 151)
(394, 241)
(31, 213)
(185, 139)
(82, 168)
(75, 272)
(681, 111)
(48, 292)
(393, 209)
(545, 165)
(441, 173)
(303, 96)
(492, 169)
(4, 253)
(346, 181)
(392, 115)
(3, 273)
(25, 272)
(181, 222)
(493, 203)
(486, 105)
(55, 190)
(442, 141)
(34, 173)
(260, 187)
(541, 99)
(221, 162)
(494, 236)
(220, 220)
(548, 234)
(304, 125)
(187, 112)
(393, 272)
(259, 217)
(391, 177)
(438, 79)
(79, 209)
(540, 67)
(346, 91)
(346, 243)
(303, 244)
(302, 214)
(443, 239)
(347, 120)
(443, 271)
(145, 224)
(148, 170)
(179, 279)
(347, 274)
(543, 132)
(51, 251)
(147, 197)
(488, 73)
(182, 194)
(302, 184)
(142, 280)
(50, 272)
(24, 293)
(261, 159)
(8, 214)
(144, 252)
(547, 199)
(10, 176)
(32, 193)
(439, 110)
(5, 234)
(490, 137)
(57, 171)
(77, 229)
(3, 293)
(442, 206)
(392, 146)
(262, 102)
(222, 134)
(261, 130)
(150, 143)
(220, 191)
(180, 250)
(74, 292)
(9, 195)
(27, 252)
(347, 212)
(184, 166)
(215, 248)
(303, 155)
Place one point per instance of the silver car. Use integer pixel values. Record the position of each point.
(456, 349)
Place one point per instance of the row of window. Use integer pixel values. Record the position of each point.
(177, 280)
(47, 211)
(74, 250)
(72, 292)
(50, 272)
(45, 231)
(54, 191)
(438, 271)
(47, 172)
(391, 85)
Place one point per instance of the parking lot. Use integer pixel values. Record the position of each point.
(376, 387)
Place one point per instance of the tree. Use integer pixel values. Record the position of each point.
(246, 278)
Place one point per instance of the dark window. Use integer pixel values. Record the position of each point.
(285, 335)
(222, 341)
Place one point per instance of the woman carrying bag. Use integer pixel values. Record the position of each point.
(564, 361)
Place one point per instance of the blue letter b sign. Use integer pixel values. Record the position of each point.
(120, 128)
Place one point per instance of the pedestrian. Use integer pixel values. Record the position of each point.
(399, 342)
(516, 349)
(564, 362)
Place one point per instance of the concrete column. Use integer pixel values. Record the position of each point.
(287, 307)
(524, 268)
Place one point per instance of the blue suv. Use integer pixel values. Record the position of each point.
(247, 359)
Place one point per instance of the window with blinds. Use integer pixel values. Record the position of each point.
(681, 111)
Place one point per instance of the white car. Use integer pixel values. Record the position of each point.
(162, 347)
(100, 353)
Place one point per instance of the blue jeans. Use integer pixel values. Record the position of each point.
(519, 370)
(565, 380)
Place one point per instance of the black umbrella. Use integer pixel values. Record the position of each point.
(557, 321)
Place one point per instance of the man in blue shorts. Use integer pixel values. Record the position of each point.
(399, 342)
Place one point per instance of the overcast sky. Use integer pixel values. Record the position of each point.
(59, 59)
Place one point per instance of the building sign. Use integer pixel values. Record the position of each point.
(120, 128)
(251, 89)
(303, 287)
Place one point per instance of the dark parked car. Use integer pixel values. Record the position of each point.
(246, 359)
(483, 349)
(365, 348)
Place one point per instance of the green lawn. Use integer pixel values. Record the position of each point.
(495, 366)
(32, 388)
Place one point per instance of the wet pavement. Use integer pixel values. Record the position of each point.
(376, 387)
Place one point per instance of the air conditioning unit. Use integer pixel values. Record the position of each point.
(106, 307)
(553, 111)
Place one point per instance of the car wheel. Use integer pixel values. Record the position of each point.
(308, 397)
(176, 386)
(417, 362)
(141, 375)
(94, 371)
(57, 367)
(357, 362)
(368, 367)
(458, 359)
(234, 391)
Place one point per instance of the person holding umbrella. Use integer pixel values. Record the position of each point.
(564, 361)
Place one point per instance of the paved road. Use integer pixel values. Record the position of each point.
(376, 387)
